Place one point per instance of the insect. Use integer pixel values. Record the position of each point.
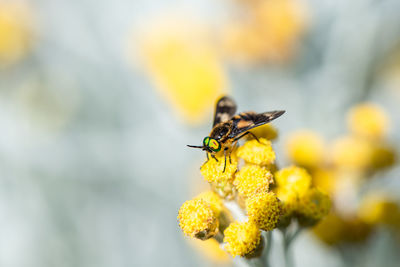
(229, 128)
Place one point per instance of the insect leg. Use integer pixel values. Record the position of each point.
(225, 160)
(214, 157)
(246, 133)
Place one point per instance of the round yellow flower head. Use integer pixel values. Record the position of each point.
(324, 179)
(264, 209)
(212, 250)
(306, 148)
(255, 152)
(350, 152)
(378, 209)
(313, 206)
(241, 238)
(213, 200)
(293, 179)
(252, 179)
(368, 120)
(197, 219)
(15, 32)
(383, 156)
(330, 229)
(266, 131)
(213, 171)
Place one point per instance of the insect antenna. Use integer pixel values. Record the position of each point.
(195, 146)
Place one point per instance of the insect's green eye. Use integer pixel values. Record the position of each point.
(206, 141)
(214, 145)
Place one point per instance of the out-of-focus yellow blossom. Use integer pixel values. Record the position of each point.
(264, 209)
(313, 206)
(383, 156)
(241, 238)
(269, 33)
(15, 32)
(306, 148)
(213, 171)
(368, 120)
(267, 131)
(197, 219)
(213, 200)
(186, 69)
(350, 152)
(330, 229)
(257, 152)
(378, 209)
(211, 249)
(252, 179)
(293, 179)
(324, 179)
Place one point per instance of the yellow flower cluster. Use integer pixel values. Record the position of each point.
(339, 169)
(241, 238)
(242, 182)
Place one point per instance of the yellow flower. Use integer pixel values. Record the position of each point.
(267, 131)
(213, 170)
(293, 179)
(350, 152)
(213, 200)
(211, 249)
(379, 209)
(15, 32)
(186, 69)
(383, 156)
(368, 120)
(306, 148)
(324, 179)
(252, 179)
(264, 209)
(241, 238)
(330, 229)
(197, 219)
(313, 206)
(255, 152)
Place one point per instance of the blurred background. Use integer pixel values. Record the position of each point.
(98, 100)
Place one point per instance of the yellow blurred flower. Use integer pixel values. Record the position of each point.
(313, 206)
(293, 179)
(15, 32)
(241, 238)
(264, 209)
(350, 152)
(305, 148)
(257, 152)
(269, 33)
(368, 120)
(379, 209)
(186, 69)
(197, 219)
(211, 249)
(324, 179)
(213, 200)
(252, 179)
(330, 229)
(213, 170)
(383, 156)
(267, 131)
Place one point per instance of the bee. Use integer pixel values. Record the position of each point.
(229, 128)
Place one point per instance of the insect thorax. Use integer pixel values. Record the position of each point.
(221, 131)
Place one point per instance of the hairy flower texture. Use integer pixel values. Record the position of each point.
(306, 148)
(257, 152)
(241, 238)
(267, 131)
(185, 67)
(292, 180)
(252, 179)
(379, 209)
(368, 120)
(213, 200)
(350, 152)
(15, 32)
(264, 209)
(213, 171)
(197, 219)
(313, 206)
(269, 33)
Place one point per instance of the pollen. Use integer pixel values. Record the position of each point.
(213, 200)
(197, 219)
(257, 152)
(264, 209)
(368, 120)
(241, 238)
(213, 171)
(252, 179)
(293, 179)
